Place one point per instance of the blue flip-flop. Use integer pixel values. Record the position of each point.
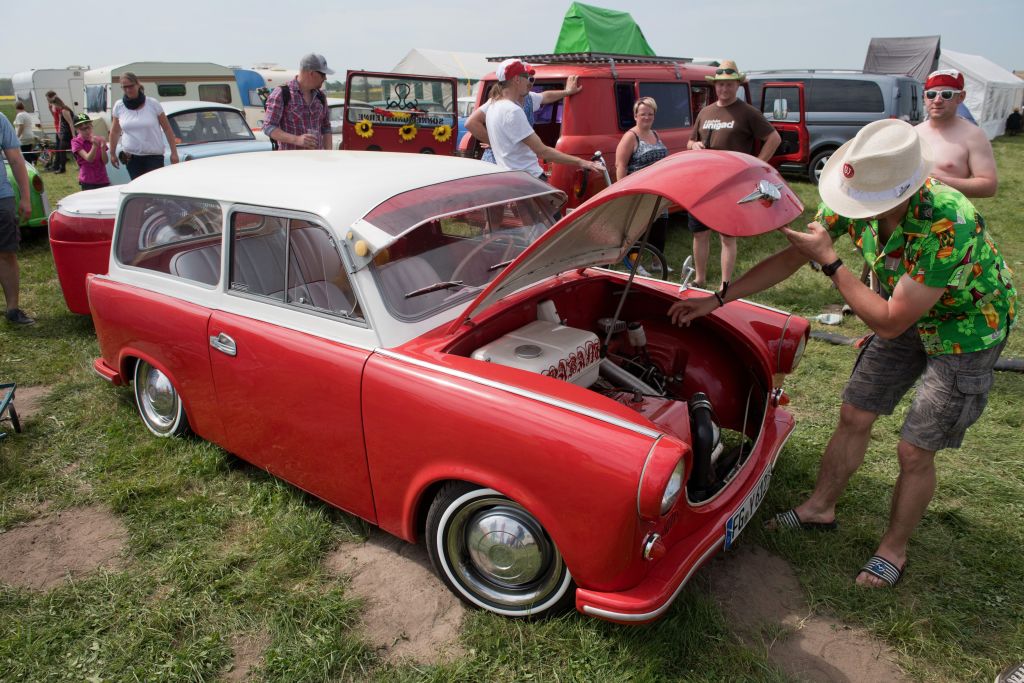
(790, 520)
(883, 569)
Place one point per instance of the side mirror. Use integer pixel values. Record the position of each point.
(687, 273)
(780, 110)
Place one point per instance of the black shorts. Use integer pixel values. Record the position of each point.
(695, 225)
(9, 234)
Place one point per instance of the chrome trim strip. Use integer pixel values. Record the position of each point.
(525, 393)
(782, 343)
(102, 376)
(647, 616)
(643, 471)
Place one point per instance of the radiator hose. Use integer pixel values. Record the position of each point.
(704, 435)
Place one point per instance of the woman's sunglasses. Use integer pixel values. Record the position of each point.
(946, 94)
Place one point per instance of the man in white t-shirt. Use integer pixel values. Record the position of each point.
(515, 145)
(23, 129)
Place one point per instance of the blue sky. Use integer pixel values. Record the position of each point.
(758, 34)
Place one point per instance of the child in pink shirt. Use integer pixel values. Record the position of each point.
(91, 154)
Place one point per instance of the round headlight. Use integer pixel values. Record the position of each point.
(673, 488)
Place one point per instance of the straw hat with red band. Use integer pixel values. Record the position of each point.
(945, 78)
(511, 68)
(877, 170)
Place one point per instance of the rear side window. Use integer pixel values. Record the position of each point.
(215, 92)
(289, 261)
(845, 95)
(673, 104)
(170, 89)
(625, 96)
(159, 234)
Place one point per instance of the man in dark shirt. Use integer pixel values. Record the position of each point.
(733, 125)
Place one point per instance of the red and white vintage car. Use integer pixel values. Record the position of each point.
(414, 339)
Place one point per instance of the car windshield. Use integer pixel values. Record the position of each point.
(197, 126)
(458, 237)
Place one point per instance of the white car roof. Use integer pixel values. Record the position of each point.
(177, 106)
(339, 186)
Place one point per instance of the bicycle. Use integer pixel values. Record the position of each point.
(648, 260)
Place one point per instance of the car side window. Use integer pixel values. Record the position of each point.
(289, 261)
(175, 235)
(846, 95)
(625, 96)
(673, 104)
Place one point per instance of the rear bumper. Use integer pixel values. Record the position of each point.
(649, 599)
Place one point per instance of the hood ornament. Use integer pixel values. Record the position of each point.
(766, 191)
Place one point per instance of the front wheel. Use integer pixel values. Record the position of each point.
(159, 404)
(817, 165)
(495, 555)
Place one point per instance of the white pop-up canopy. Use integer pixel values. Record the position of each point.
(468, 67)
(992, 91)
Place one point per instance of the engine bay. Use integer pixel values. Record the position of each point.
(691, 383)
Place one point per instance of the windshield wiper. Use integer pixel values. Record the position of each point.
(437, 286)
(496, 266)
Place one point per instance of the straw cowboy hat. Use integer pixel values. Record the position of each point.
(727, 71)
(877, 170)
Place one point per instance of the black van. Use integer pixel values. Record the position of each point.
(838, 104)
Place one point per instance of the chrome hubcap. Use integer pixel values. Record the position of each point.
(158, 399)
(501, 553)
(819, 167)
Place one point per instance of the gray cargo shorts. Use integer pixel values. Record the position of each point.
(951, 396)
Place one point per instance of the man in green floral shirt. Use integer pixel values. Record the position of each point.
(951, 308)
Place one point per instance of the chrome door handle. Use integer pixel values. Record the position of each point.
(224, 344)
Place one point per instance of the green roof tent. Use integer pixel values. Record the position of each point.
(594, 29)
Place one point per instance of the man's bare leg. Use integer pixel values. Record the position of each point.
(844, 454)
(914, 489)
(9, 276)
(728, 257)
(701, 249)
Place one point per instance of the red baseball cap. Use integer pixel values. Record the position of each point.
(945, 78)
(511, 68)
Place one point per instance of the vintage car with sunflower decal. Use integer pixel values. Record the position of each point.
(416, 340)
(40, 202)
(395, 112)
(202, 129)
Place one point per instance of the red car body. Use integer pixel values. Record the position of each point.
(398, 421)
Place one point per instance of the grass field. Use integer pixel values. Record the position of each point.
(218, 550)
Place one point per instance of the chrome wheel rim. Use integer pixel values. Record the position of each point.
(501, 554)
(820, 166)
(158, 399)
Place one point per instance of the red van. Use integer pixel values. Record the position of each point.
(596, 117)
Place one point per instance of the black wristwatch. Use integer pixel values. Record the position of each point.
(830, 269)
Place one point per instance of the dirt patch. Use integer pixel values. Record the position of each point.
(28, 401)
(409, 613)
(763, 601)
(67, 544)
(248, 652)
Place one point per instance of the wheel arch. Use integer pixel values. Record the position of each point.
(129, 360)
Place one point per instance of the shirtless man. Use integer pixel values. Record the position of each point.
(963, 155)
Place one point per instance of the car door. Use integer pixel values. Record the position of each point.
(782, 103)
(393, 112)
(287, 383)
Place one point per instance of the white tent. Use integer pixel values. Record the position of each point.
(992, 91)
(468, 67)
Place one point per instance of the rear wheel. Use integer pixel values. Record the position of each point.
(649, 262)
(159, 404)
(817, 165)
(494, 554)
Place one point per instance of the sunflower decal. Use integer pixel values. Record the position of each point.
(364, 129)
(407, 132)
(443, 133)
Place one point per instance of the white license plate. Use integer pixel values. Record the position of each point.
(745, 512)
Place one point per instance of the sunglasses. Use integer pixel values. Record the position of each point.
(946, 94)
(725, 72)
(527, 77)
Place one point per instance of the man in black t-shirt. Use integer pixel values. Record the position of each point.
(733, 125)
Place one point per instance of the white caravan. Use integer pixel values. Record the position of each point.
(30, 88)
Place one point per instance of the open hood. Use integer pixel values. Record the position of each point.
(734, 194)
